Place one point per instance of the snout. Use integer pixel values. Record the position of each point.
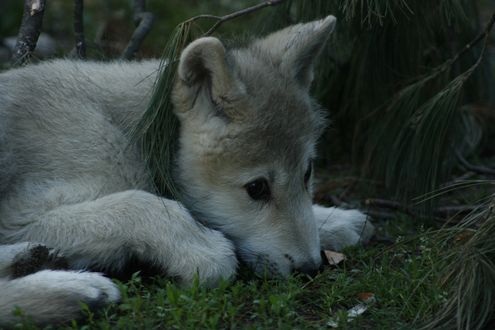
(274, 265)
(309, 268)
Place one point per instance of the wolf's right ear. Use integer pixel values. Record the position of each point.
(295, 48)
(203, 65)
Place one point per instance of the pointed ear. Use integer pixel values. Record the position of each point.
(296, 47)
(203, 66)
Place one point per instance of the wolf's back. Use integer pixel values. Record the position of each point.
(50, 111)
(7, 162)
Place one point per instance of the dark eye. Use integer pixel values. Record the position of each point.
(307, 175)
(258, 189)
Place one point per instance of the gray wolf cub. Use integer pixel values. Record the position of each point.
(70, 181)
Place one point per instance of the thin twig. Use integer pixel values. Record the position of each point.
(231, 16)
(79, 29)
(449, 211)
(387, 204)
(143, 21)
(460, 179)
(29, 31)
(474, 168)
(483, 35)
(348, 189)
(336, 200)
(379, 214)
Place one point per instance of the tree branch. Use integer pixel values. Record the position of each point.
(143, 21)
(222, 19)
(79, 29)
(29, 31)
(474, 168)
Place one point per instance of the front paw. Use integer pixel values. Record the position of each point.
(211, 259)
(339, 228)
(50, 296)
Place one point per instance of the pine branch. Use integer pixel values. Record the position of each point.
(29, 31)
(469, 275)
(399, 144)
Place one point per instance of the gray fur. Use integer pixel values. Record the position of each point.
(70, 180)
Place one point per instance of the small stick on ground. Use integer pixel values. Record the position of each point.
(387, 204)
(79, 29)
(143, 21)
(29, 31)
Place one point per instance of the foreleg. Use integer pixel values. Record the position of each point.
(106, 232)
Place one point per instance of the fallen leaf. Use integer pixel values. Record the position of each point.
(366, 296)
(334, 258)
(357, 310)
(464, 236)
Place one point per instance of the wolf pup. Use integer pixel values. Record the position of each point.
(70, 181)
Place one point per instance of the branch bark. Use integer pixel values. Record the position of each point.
(29, 31)
(143, 21)
(79, 29)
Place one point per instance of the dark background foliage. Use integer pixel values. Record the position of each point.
(412, 107)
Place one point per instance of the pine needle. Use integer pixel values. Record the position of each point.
(157, 131)
(470, 275)
(420, 153)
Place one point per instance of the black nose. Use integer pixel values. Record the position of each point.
(309, 268)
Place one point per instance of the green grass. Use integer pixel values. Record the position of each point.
(403, 278)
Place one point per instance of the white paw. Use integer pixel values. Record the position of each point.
(87, 287)
(50, 296)
(211, 260)
(340, 228)
(94, 288)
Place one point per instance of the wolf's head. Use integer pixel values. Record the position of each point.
(247, 140)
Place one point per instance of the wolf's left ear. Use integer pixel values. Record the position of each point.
(204, 59)
(296, 47)
(203, 66)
